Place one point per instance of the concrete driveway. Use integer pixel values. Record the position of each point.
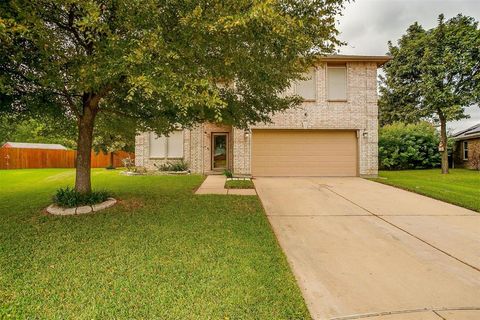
(363, 250)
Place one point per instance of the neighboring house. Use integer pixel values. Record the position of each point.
(334, 132)
(24, 145)
(467, 148)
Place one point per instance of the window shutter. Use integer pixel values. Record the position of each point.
(337, 83)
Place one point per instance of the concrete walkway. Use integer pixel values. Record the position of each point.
(215, 184)
(363, 250)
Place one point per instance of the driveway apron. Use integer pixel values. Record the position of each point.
(363, 250)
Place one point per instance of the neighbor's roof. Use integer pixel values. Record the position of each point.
(470, 133)
(379, 60)
(24, 145)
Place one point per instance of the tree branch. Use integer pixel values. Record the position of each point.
(71, 104)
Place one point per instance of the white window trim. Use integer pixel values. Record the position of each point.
(328, 83)
(166, 148)
(464, 143)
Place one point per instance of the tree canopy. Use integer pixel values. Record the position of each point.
(160, 64)
(434, 75)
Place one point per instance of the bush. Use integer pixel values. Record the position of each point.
(176, 166)
(69, 197)
(128, 163)
(228, 173)
(408, 146)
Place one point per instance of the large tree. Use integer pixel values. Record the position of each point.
(434, 75)
(159, 63)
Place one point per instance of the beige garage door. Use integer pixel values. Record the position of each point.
(304, 153)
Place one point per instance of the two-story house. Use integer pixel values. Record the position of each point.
(334, 132)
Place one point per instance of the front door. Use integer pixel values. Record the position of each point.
(219, 151)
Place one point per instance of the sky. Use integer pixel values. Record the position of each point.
(367, 26)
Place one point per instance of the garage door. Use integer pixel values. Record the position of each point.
(304, 153)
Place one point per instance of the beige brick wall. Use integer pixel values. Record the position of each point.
(359, 112)
(142, 151)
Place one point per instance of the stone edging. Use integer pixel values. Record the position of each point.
(155, 173)
(59, 211)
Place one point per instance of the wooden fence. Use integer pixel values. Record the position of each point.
(17, 158)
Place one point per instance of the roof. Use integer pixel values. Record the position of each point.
(23, 145)
(470, 133)
(379, 60)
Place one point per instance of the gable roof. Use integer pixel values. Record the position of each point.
(472, 132)
(379, 60)
(24, 145)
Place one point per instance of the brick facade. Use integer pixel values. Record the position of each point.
(359, 112)
(473, 154)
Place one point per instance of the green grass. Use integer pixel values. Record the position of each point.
(460, 186)
(160, 253)
(239, 184)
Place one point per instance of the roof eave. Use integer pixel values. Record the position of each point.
(467, 137)
(379, 60)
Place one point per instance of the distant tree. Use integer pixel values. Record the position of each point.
(112, 134)
(36, 131)
(159, 63)
(434, 75)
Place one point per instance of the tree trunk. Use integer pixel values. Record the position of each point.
(443, 142)
(111, 159)
(84, 148)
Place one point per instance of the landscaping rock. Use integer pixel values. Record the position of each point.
(56, 210)
(104, 205)
(83, 210)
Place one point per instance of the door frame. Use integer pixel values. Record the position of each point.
(212, 151)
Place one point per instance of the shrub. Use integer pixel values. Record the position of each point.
(228, 173)
(69, 197)
(129, 163)
(408, 146)
(176, 166)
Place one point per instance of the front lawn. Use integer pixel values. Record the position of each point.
(161, 253)
(460, 186)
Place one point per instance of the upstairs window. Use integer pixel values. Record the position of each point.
(465, 150)
(337, 82)
(307, 88)
(166, 147)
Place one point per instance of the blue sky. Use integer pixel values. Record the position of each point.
(367, 25)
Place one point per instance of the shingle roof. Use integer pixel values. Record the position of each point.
(25, 145)
(471, 132)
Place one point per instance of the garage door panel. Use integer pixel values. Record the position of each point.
(267, 160)
(304, 153)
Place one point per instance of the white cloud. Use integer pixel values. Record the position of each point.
(367, 26)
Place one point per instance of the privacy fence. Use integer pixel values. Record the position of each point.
(16, 158)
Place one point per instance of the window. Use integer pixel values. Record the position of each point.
(465, 150)
(337, 82)
(166, 147)
(307, 88)
(157, 146)
(175, 145)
